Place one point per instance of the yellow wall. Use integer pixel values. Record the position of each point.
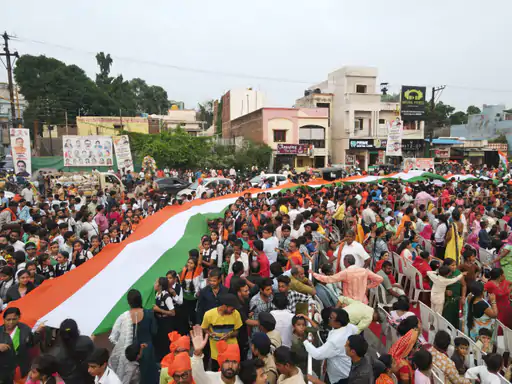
(104, 126)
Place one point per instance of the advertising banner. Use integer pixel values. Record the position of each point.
(394, 143)
(20, 151)
(87, 151)
(442, 153)
(422, 164)
(123, 153)
(413, 102)
(292, 149)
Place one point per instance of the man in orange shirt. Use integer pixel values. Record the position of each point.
(293, 255)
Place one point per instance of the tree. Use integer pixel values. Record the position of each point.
(458, 118)
(472, 110)
(205, 112)
(53, 88)
(390, 98)
(149, 99)
(440, 117)
(218, 122)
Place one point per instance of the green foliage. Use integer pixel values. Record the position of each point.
(180, 150)
(440, 116)
(390, 98)
(205, 112)
(473, 110)
(218, 127)
(500, 139)
(53, 88)
(458, 117)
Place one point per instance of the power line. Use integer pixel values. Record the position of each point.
(176, 67)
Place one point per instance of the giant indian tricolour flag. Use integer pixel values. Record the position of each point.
(94, 294)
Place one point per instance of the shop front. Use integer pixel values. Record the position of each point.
(363, 153)
(369, 153)
(299, 156)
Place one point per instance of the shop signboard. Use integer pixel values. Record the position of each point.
(367, 144)
(292, 149)
(413, 102)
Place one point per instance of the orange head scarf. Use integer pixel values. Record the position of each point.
(227, 352)
(177, 341)
(401, 349)
(181, 363)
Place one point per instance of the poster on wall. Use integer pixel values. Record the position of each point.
(422, 164)
(394, 143)
(87, 151)
(123, 153)
(20, 151)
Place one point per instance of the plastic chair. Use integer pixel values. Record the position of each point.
(507, 336)
(438, 375)
(445, 325)
(428, 321)
(486, 257)
(416, 276)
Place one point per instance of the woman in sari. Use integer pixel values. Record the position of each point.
(453, 295)
(505, 259)
(500, 287)
(478, 313)
(403, 348)
(136, 326)
(454, 238)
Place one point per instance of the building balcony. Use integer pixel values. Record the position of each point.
(372, 99)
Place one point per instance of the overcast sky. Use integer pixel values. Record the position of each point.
(464, 44)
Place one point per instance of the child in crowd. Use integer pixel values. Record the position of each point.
(99, 369)
(484, 340)
(423, 362)
(460, 353)
(488, 373)
(439, 284)
(299, 335)
(132, 370)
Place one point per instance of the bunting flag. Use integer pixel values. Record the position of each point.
(94, 294)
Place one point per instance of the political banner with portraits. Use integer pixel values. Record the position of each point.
(394, 143)
(123, 153)
(20, 150)
(87, 151)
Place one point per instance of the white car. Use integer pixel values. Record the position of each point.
(275, 179)
(210, 184)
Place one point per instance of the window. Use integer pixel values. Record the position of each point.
(279, 136)
(359, 124)
(382, 121)
(300, 163)
(361, 88)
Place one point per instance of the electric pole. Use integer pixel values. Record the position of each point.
(432, 118)
(8, 66)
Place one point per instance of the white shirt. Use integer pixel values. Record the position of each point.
(206, 377)
(109, 377)
(355, 249)
(269, 247)
(293, 214)
(27, 194)
(486, 377)
(244, 258)
(338, 363)
(369, 216)
(284, 325)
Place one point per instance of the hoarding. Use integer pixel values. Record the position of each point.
(20, 151)
(123, 153)
(422, 164)
(87, 151)
(394, 143)
(413, 102)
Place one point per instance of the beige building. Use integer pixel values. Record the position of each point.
(186, 118)
(358, 118)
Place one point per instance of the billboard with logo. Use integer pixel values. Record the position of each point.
(413, 102)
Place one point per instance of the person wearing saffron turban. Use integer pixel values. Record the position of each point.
(181, 370)
(228, 359)
(179, 344)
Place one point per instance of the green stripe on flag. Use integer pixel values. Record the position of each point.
(174, 259)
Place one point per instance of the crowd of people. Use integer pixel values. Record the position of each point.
(279, 278)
